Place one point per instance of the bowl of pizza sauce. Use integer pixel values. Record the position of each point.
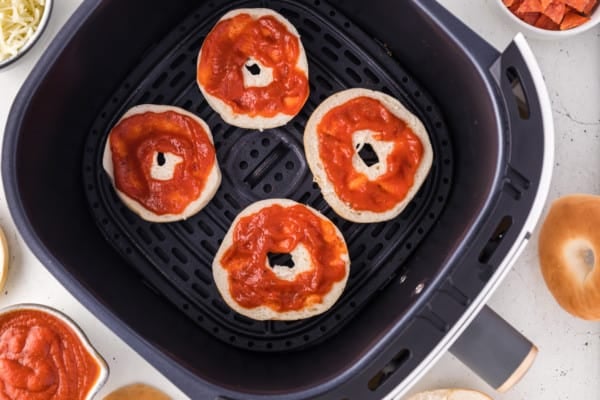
(46, 356)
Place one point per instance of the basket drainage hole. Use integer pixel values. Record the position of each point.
(388, 370)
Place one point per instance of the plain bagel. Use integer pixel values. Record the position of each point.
(284, 82)
(569, 250)
(164, 170)
(265, 292)
(450, 394)
(137, 391)
(315, 155)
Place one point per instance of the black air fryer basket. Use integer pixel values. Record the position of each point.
(416, 282)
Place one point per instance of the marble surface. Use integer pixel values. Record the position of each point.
(567, 366)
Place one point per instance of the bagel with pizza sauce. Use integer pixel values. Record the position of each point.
(162, 162)
(336, 133)
(253, 287)
(252, 69)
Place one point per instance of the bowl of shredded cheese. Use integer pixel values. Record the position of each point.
(21, 24)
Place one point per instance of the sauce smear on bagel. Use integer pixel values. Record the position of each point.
(277, 229)
(336, 151)
(228, 47)
(135, 142)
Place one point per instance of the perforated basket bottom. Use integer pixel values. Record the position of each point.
(175, 259)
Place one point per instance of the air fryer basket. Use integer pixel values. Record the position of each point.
(416, 281)
(176, 258)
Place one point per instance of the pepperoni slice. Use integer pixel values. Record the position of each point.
(143, 144)
(245, 42)
(552, 14)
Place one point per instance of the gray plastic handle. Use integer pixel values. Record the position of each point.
(494, 350)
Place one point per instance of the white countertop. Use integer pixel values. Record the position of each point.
(568, 364)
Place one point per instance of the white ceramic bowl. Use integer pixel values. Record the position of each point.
(34, 38)
(103, 375)
(540, 33)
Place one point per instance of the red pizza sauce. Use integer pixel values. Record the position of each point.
(277, 229)
(225, 52)
(42, 358)
(135, 142)
(336, 150)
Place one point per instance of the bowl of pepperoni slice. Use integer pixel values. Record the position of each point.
(552, 19)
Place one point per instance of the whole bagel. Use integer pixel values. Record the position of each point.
(569, 249)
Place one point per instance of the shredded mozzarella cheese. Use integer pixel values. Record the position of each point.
(19, 20)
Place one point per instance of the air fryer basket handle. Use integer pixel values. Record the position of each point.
(494, 350)
(522, 88)
(489, 346)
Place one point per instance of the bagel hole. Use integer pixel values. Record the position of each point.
(580, 258)
(160, 159)
(589, 257)
(281, 259)
(163, 165)
(368, 154)
(255, 74)
(254, 69)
